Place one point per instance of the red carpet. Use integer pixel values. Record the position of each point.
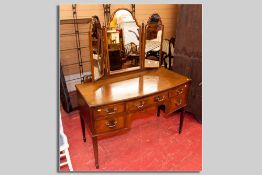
(152, 144)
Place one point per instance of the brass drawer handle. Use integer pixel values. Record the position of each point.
(179, 91)
(140, 105)
(158, 99)
(111, 123)
(111, 110)
(178, 102)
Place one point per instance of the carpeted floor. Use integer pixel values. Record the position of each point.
(152, 144)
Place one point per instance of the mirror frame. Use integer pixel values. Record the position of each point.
(141, 60)
(102, 38)
(145, 36)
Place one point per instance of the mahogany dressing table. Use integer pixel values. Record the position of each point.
(107, 103)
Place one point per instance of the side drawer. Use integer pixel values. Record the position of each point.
(177, 102)
(180, 90)
(178, 97)
(109, 109)
(109, 124)
(140, 104)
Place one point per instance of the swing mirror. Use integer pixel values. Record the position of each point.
(153, 41)
(97, 49)
(123, 42)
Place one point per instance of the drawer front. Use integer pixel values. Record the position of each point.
(178, 97)
(181, 90)
(160, 98)
(140, 104)
(109, 110)
(109, 124)
(177, 102)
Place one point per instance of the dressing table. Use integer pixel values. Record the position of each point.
(107, 103)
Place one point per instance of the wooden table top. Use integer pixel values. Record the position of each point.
(131, 86)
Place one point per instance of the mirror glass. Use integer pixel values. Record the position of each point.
(97, 45)
(153, 41)
(123, 36)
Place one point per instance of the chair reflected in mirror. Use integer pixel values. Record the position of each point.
(153, 41)
(123, 38)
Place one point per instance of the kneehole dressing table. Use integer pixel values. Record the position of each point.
(127, 76)
(107, 105)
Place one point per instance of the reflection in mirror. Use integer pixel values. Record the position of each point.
(153, 41)
(97, 44)
(123, 42)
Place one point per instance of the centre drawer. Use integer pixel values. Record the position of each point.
(140, 104)
(109, 124)
(109, 109)
(160, 98)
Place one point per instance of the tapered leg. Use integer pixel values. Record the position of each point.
(181, 119)
(95, 147)
(83, 128)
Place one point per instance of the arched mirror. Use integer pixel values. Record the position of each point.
(153, 41)
(123, 39)
(97, 46)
